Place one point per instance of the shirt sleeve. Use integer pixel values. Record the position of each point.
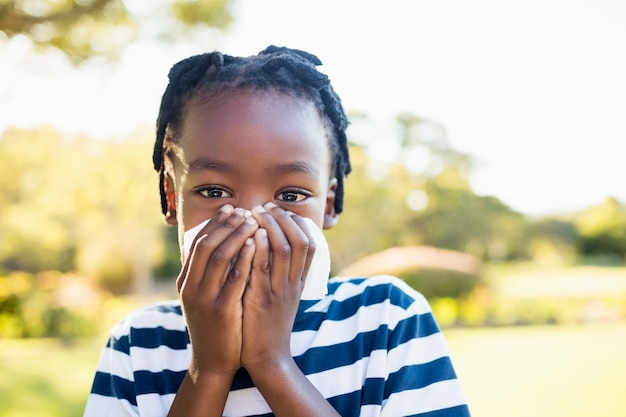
(421, 378)
(113, 392)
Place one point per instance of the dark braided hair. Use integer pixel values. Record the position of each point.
(284, 70)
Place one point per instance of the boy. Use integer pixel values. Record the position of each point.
(258, 146)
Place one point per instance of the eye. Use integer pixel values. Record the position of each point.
(214, 192)
(292, 196)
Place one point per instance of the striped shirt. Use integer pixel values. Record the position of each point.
(371, 347)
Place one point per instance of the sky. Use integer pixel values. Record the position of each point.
(535, 90)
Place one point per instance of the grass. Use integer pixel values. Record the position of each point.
(574, 371)
(530, 281)
(540, 371)
(43, 377)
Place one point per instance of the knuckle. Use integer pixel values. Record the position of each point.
(203, 243)
(220, 256)
(266, 267)
(302, 245)
(284, 250)
(311, 248)
(187, 297)
(236, 274)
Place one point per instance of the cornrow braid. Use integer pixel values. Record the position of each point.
(280, 69)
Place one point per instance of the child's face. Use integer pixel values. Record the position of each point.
(249, 149)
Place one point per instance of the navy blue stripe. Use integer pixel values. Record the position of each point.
(373, 389)
(323, 358)
(422, 325)
(151, 338)
(166, 309)
(162, 383)
(242, 380)
(419, 376)
(113, 386)
(329, 357)
(340, 310)
(348, 404)
(334, 284)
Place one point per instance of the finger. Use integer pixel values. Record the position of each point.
(299, 240)
(214, 252)
(221, 215)
(312, 247)
(239, 274)
(280, 250)
(184, 279)
(260, 280)
(288, 243)
(227, 254)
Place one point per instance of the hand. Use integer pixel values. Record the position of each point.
(211, 287)
(283, 253)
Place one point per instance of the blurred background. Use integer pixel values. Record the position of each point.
(487, 141)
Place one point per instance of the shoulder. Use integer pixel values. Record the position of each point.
(151, 325)
(367, 303)
(378, 289)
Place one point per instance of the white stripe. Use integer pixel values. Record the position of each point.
(155, 404)
(245, 402)
(341, 380)
(115, 363)
(437, 396)
(349, 289)
(159, 359)
(151, 317)
(370, 410)
(420, 351)
(100, 406)
(331, 332)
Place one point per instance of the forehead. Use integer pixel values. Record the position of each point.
(250, 126)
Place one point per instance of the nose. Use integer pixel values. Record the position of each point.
(251, 200)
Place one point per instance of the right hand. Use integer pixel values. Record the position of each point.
(211, 286)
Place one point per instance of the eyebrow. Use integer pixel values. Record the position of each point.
(206, 164)
(298, 167)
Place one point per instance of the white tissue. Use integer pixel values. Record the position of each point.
(315, 286)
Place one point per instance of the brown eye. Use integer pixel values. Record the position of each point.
(292, 196)
(214, 193)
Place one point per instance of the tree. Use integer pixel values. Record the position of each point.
(420, 196)
(602, 230)
(80, 204)
(85, 28)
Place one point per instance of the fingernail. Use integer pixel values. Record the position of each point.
(249, 241)
(269, 205)
(228, 209)
(258, 210)
(251, 220)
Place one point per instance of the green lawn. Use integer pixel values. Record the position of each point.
(577, 371)
(45, 377)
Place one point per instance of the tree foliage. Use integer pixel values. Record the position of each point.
(79, 204)
(602, 230)
(84, 28)
(89, 205)
(421, 196)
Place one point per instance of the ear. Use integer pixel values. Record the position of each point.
(330, 214)
(170, 195)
